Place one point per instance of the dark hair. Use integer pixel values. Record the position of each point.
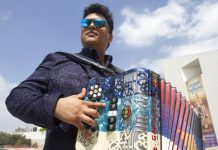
(102, 10)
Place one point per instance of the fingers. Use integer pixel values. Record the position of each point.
(88, 120)
(95, 104)
(82, 94)
(92, 109)
(84, 112)
(92, 112)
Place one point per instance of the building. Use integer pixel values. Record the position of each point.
(198, 73)
(36, 134)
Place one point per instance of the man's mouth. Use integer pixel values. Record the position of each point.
(91, 33)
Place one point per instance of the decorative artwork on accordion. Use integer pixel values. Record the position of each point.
(191, 135)
(154, 97)
(196, 136)
(179, 122)
(141, 112)
(171, 115)
(184, 125)
(163, 112)
(169, 96)
(131, 117)
(175, 119)
(188, 131)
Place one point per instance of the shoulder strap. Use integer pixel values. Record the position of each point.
(86, 60)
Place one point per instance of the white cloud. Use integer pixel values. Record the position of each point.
(204, 21)
(143, 28)
(181, 1)
(5, 15)
(8, 122)
(193, 26)
(192, 47)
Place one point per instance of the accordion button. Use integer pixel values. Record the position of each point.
(91, 92)
(94, 95)
(100, 90)
(91, 88)
(99, 94)
(111, 127)
(93, 129)
(112, 119)
(114, 100)
(93, 100)
(95, 91)
(113, 106)
(96, 86)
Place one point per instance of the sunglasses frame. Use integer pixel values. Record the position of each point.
(98, 23)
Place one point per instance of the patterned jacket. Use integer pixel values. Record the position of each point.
(34, 100)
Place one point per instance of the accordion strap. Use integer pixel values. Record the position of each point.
(86, 60)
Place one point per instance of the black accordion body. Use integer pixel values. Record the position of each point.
(142, 112)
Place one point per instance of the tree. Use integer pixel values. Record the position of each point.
(5, 138)
(14, 139)
(42, 129)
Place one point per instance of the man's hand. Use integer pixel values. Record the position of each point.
(75, 111)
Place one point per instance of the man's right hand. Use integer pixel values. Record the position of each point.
(73, 110)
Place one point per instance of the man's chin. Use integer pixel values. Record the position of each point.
(90, 38)
(91, 41)
(91, 44)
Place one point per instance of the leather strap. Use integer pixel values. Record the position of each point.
(86, 60)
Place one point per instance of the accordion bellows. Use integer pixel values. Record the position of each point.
(142, 112)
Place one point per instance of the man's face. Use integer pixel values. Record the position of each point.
(95, 37)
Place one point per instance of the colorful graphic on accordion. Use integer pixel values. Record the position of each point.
(131, 118)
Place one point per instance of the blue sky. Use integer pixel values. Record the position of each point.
(146, 31)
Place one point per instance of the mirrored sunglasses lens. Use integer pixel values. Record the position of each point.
(99, 23)
(85, 23)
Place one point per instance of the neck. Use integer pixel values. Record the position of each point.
(101, 58)
(101, 55)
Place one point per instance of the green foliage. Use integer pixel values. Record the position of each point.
(42, 129)
(5, 138)
(13, 139)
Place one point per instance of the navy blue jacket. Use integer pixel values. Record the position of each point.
(34, 100)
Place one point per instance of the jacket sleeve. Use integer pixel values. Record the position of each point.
(31, 101)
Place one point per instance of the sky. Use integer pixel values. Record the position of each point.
(146, 32)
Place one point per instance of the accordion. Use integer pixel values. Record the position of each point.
(142, 112)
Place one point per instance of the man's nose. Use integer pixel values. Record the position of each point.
(92, 25)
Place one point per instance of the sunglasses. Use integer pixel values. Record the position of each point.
(98, 23)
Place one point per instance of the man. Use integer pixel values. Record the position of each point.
(52, 97)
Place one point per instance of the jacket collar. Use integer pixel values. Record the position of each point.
(92, 53)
